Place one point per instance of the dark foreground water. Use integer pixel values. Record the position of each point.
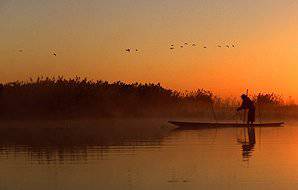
(227, 158)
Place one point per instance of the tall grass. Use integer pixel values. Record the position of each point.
(56, 98)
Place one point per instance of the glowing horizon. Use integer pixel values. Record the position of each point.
(90, 38)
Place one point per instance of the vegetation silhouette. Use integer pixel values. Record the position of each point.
(56, 98)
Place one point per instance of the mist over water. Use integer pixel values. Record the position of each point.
(145, 154)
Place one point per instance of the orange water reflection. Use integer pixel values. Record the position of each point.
(173, 159)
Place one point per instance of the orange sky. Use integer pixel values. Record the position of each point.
(90, 36)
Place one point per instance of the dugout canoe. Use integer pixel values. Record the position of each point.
(198, 125)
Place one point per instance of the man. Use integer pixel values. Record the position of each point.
(248, 104)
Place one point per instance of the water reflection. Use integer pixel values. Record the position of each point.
(248, 141)
(142, 157)
(60, 144)
(246, 137)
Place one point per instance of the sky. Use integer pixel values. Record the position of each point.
(90, 38)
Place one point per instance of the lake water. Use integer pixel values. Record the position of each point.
(167, 159)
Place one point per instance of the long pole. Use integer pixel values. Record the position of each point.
(244, 112)
(259, 106)
(260, 120)
(212, 107)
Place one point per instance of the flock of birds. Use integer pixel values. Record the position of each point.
(172, 46)
(130, 50)
(53, 53)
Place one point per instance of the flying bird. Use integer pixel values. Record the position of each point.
(172, 45)
(128, 50)
(219, 46)
(233, 46)
(205, 47)
(227, 46)
(172, 48)
(185, 43)
(137, 50)
(181, 46)
(54, 54)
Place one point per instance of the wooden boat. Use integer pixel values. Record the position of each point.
(199, 125)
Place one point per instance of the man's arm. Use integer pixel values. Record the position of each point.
(242, 107)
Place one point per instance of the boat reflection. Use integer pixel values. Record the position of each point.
(247, 138)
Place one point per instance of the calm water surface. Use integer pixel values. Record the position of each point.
(174, 159)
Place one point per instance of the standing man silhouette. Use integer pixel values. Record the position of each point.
(248, 104)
